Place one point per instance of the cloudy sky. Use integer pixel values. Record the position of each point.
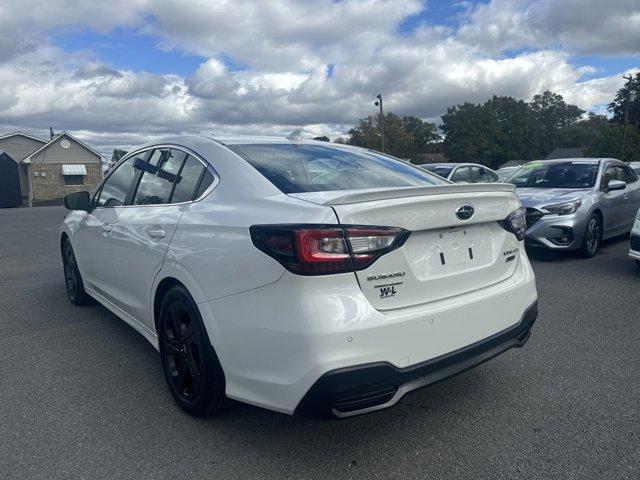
(119, 72)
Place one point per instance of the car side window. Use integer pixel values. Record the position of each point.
(158, 176)
(609, 174)
(627, 174)
(482, 175)
(187, 184)
(116, 187)
(461, 174)
(207, 180)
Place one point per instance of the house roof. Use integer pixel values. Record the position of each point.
(57, 137)
(13, 134)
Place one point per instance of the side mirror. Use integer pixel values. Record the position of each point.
(78, 201)
(616, 185)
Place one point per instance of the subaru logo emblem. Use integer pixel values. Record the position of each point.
(465, 212)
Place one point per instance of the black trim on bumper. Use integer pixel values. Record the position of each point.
(365, 388)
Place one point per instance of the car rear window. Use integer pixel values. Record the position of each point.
(314, 168)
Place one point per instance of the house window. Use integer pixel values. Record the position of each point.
(73, 179)
(74, 174)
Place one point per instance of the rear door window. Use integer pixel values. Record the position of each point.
(188, 182)
(311, 168)
(482, 175)
(461, 175)
(158, 176)
(205, 182)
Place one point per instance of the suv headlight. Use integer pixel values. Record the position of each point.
(564, 208)
(516, 223)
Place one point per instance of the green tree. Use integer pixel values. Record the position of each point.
(405, 137)
(117, 154)
(469, 131)
(424, 134)
(322, 138)
(619, 104)
(584, 132)
(501, 129)
(552, 114)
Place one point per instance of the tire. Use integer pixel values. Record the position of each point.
(592, 237)
(72, 277)
(191, 367)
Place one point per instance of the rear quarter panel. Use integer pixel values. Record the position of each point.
(212, 252)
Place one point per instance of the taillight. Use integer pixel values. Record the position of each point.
(516, 222)
(324, 249)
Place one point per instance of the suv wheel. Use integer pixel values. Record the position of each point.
(190, 365)
(592, 237)
(72, 277)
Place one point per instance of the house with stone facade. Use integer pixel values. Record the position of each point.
(50, 169)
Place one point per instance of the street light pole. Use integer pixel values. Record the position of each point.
(379, 103)
(631, 96)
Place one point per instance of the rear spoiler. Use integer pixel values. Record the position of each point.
(388, 193)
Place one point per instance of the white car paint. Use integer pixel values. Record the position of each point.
(635, 232)
(276, 332)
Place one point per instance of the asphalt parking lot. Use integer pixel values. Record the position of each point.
(83, 395)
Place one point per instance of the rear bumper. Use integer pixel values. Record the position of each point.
(366, 388)
(277, 341)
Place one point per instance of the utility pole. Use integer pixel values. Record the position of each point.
(631, 97)
(378, 103)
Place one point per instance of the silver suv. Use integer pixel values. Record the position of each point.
(574, 203)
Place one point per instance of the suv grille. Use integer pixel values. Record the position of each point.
(635, 242)
(533, 216)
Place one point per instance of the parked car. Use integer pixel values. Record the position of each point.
(463, 172)
(634, 243)
(573, 204)
(300, 276)
(506, 172)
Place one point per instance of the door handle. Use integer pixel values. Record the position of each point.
(106, 228)
(156, 232)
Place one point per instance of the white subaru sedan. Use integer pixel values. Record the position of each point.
(300, 276)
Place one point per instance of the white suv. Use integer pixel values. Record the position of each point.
(304, 277)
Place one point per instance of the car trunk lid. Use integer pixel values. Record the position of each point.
(445, 255)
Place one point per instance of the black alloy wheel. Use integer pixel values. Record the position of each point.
(592, 237)
(189, 362)
(72, 277)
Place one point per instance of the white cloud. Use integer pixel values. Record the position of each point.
(579, 26)
(279, 34)
(287, 48)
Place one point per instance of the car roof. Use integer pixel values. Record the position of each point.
(255, 139)
(576, 159)
(443, 164)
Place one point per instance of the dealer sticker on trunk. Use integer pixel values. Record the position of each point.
(387, 290)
